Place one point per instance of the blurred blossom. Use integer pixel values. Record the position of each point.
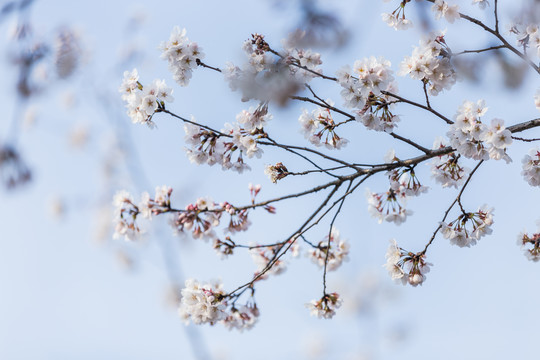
(56, 207)
(78, 136)
(29, 116)
(66, 53)
(13, 171)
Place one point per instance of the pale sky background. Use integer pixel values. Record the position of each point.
(66, 295)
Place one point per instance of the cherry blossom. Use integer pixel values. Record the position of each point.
(468, 228)
(442, 9)
(181, 54)
(406, 267)
(531, 167)
(430, 62)
(332, 252)
(326, 306)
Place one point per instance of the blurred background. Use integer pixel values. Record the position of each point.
(68, 290)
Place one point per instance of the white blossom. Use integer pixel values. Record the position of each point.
(468, 228)
(202, 303)
(442, 9)
(396, 21)
(531, 167)
(326, 306)
(481, 3)
(143, 101)
(430, 62)
(181, 55)
(406, 267)
(336, 251)
(474, 139)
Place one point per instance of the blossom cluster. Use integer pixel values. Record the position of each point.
(300, 60)
(126, 213)
(332, 251)
(143, 101)
(159, 204)
(326, 306)
(207, 304)
(276, 172)
(181, 54)
(525, 240)
(368, 76)
(468, 228)
(527, 36)
(445, 169)
(265, 258)
(376, 113)
(397, 18)
(430, 63)
(268, 75)
(199, 218)
(254, 119)
(319, 128)
(474, 139)
(213, 148)
(389, 206)
(224, 248)
(406, 267)
(531, 167)
(442, 9)
(404, 181)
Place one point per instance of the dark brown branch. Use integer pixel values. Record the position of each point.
(324, 105)
(192, 122)
(200, 63)
(431, 110)
(410, 142)
(526, 140)
(426, 94)
(283, 146)
(320, 169)
(351, 118)
(330, 238)
(524, 126)
(496, 16)
(479, 50)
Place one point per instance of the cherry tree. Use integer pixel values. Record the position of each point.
(287, 74)
(337, 156)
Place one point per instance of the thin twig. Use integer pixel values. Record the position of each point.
(410, 142)
(457, 199)
(526, 140)
(496, 17)
(324, 105)
(431, 110)
(308, 150)
(192, 122)
(305, 158)
(426, 94)
(330, 238)
(200, 63)
(290, 241)
(479, 50)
